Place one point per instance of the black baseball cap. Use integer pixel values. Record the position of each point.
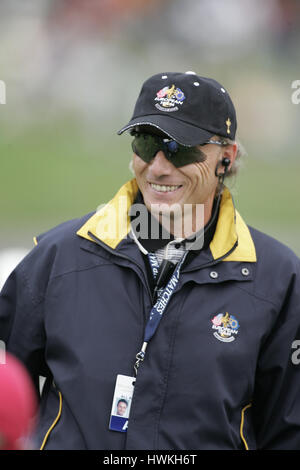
(188, 108)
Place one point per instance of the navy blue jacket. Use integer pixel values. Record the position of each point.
(219, 372)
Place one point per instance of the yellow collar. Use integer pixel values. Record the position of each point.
(111, 224)
(232, 229)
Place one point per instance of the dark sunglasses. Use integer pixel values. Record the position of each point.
(146, 147)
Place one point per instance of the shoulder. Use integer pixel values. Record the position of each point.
(64, 232)
(60, 246)
(57, 251)
(277, 268)
(276, 271)
(271, 250)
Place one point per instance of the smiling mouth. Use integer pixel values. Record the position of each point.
(163, 188)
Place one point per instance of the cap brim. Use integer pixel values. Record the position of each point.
(183, 133)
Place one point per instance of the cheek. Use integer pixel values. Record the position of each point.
(138, 166)
(204, 173)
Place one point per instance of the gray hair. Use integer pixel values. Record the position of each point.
(241, 154)
(237, 164)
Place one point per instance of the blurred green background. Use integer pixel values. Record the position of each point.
(73, 71)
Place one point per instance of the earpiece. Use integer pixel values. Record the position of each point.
(224, 162)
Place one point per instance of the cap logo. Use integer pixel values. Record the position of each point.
(228, 124)
(169, 98)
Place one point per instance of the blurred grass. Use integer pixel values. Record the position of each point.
(267, 194)
(57, 171)
(54, 172)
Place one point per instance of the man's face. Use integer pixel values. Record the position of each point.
(121, 408)
(162, 183)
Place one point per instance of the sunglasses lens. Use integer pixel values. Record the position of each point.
(146, 147)
(186, 156)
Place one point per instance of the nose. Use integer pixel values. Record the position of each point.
(160, 166)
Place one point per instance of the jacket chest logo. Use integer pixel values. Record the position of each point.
(226, 327)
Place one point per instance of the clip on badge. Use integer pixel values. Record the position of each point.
(121, 403)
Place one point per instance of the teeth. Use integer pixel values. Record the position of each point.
(163, 188)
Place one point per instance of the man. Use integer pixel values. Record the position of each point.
(189, 313)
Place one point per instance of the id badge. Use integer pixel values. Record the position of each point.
(121, 403)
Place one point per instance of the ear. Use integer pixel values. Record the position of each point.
(230, 151)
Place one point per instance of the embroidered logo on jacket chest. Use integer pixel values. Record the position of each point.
(226, 327)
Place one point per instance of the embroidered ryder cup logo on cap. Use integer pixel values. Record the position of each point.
(228, 124)
(169, 98)
(227, 327)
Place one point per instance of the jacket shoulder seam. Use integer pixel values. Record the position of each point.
(78, 270)
(259, 297)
